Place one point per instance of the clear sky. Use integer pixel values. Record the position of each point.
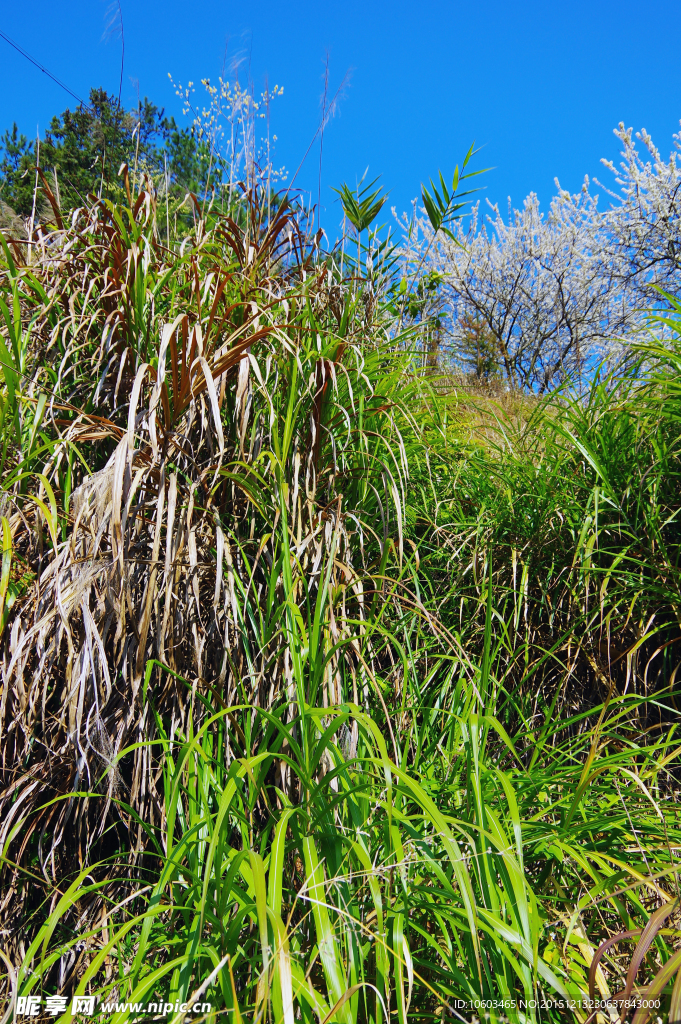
(539, 85)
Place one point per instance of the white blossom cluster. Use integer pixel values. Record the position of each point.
(559, 292)
(645, 217)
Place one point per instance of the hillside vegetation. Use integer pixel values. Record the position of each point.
(331, 691)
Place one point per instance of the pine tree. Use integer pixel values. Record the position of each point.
(16, 180)
(88, 145)
(83, 150)
(478, 349)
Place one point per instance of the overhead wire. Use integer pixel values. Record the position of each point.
(41, 68)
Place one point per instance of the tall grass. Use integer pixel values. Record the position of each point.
(315, 707)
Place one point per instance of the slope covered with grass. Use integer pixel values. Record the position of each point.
(327, 695)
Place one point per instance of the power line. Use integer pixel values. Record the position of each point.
(41, 68)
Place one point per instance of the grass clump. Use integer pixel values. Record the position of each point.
(316, 704)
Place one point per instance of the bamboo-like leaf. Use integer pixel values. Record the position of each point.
(326, 935)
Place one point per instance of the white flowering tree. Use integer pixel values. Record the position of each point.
(645, 216)
(554, 292)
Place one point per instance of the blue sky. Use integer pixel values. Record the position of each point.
(538, 85)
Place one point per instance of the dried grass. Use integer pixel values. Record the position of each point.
(240, 464)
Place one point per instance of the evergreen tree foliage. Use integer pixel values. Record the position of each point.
(83, 150)
(88, 145)
(16, 181)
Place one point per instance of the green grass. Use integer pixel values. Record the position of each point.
(328, 695)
